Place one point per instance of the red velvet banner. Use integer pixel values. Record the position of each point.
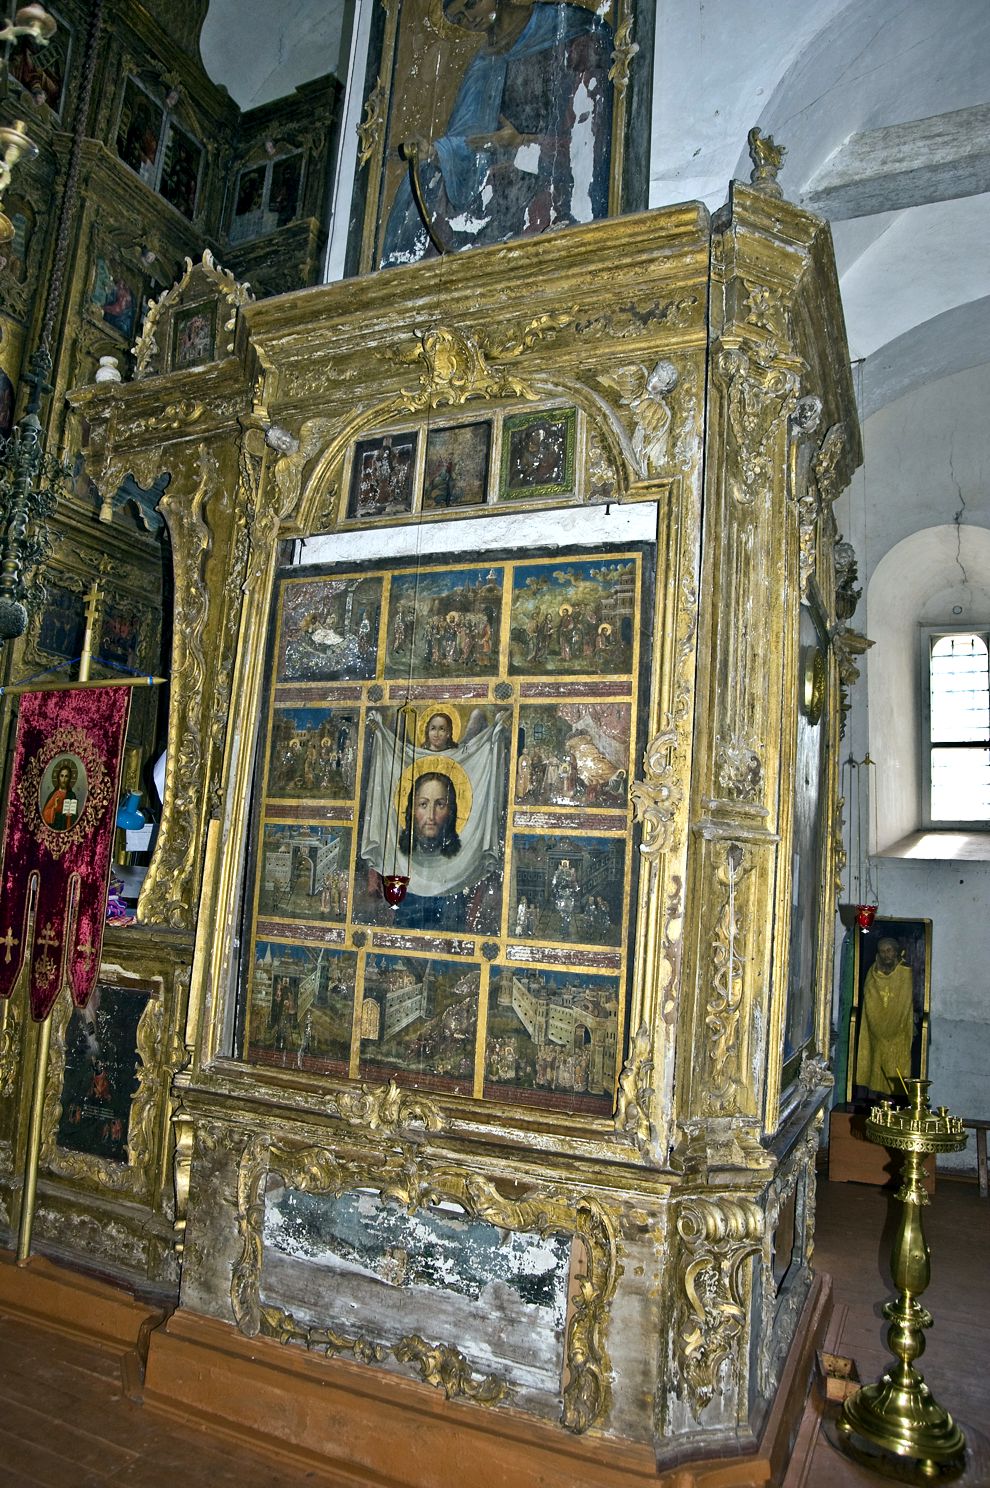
(58, 842)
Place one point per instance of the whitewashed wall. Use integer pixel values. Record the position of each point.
(927, 461)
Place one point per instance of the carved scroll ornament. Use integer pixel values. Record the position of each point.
(404, 1178)
(718, 1236)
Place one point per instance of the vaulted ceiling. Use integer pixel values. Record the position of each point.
(883, 105)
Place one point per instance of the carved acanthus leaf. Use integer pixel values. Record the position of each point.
(388, 1108)
(728, 967)
(718, 1236)
(623, 53)
(632, 1108)
(454, 368)
(739, 771)
(657, 797)
(369, 131)
(760, 394)
(10, 1019)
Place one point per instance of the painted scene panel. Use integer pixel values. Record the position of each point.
(457, 466)
(445, 623)
(304, 872)
(573, 617)
(433, 808)
(383, 476)
(573, 754)
(101, 1072)
(329, 630)
(419, 1018)
(538, 455)
(567, 889)
(302, 1007)
(313, 753)
(552, 1038)
(513, 134)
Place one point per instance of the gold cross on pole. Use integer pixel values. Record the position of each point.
(9, 940)
(93, 598)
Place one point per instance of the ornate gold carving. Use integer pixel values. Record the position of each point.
(404, 1178)
(738, 770)
(717, 1237)
(760, 394)
(767, 158)
(658, 796)
(10, 1037)
(622, 56)
(180, 415)
(814, 1075)
(634, 320)
(455, 367)
(632, 1107)
(149, 355)
(167, 896)
(445, 1368)
(722, 1012)
(369, 131)
(184, 1129)
(828, 465)
(387, 1108)
(603, 480)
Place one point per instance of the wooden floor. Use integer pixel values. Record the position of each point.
(65, 1422)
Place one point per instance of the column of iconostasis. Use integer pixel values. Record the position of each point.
(472, 725)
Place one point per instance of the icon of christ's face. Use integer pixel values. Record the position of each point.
(432, 811)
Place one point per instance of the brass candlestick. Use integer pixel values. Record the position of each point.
(898, 1413)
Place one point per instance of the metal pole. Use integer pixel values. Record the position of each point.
(34, 1143)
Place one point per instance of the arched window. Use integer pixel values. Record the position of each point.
(957, 750)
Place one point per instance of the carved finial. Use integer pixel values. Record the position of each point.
(767, 159)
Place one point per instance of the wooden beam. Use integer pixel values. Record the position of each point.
(905, 165)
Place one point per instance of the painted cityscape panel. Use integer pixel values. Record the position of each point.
(304, 872)
(329, 630)
(457, 466)
(302, 1007)
(573, 754)
(568, 889)
(313, 753)
(573, 618)
(552, 1038)
(101, 1072)
(433, 808)
(383, 476)
(419, 1018)
(445, 623)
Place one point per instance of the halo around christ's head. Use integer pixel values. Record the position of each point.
(436, 764)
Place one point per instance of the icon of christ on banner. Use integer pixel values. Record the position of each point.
(434, 810)
(58, 841)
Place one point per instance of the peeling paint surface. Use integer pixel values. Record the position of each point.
(355, 1262)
